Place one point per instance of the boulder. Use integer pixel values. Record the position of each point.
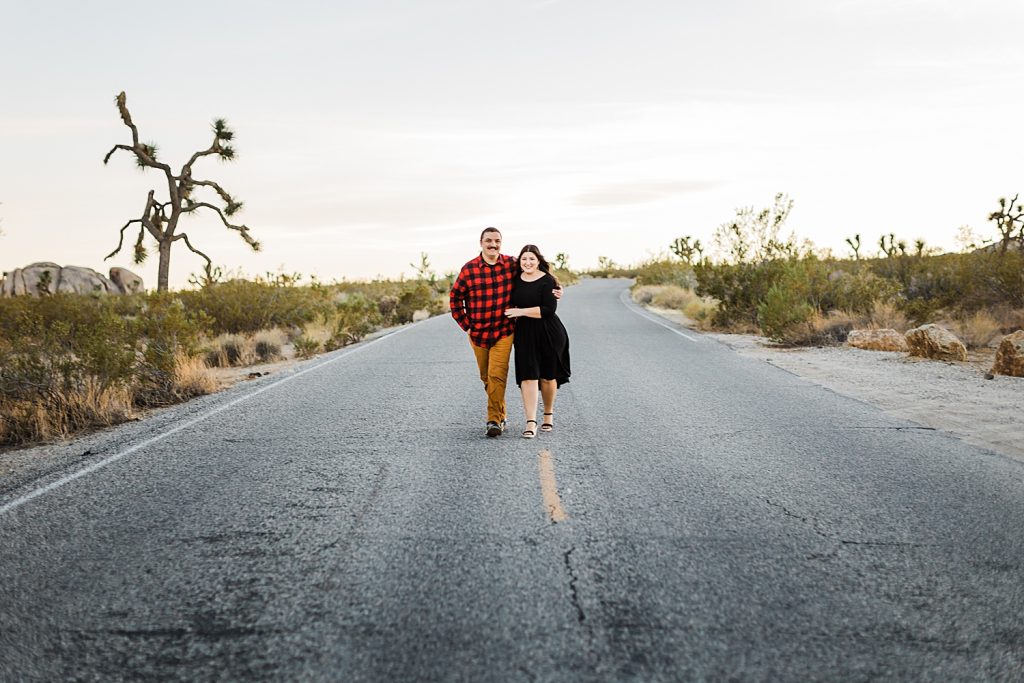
(938, 343)
(420, 315)
(127, 281)
(1010, 355)
(877, 340)
(49, 278)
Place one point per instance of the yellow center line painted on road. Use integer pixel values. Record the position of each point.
(548, 487)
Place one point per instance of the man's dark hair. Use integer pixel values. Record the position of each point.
(487, 230)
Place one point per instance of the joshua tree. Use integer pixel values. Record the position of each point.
(889, 249)
(562, 261)
(1007, 222)
(854, 243)
(686, 248)
(160, 219)
(919, 248)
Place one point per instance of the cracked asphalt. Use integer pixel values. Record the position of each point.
(726, 521)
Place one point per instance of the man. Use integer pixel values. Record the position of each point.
(478, 300)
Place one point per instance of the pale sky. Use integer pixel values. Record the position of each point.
(369, 132)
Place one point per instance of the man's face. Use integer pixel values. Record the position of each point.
(490, 244)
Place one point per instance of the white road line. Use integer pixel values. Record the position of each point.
(654, 320)
(18, 502)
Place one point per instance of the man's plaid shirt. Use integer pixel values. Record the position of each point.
(480, 296)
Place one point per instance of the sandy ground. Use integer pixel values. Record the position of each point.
(953, 397)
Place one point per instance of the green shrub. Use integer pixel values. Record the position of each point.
(782, 313)
(246, 306)
(306, 347)
(665, 271)
(354, 318)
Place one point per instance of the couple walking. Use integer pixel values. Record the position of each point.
(497, 299)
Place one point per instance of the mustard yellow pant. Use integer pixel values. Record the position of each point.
(493, 365)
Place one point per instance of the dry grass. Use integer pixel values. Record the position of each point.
(267, 345)
(319, 331)
(885, 315)
(696, 308)
(64, 413)
(229, 350)
(192, 377)
(977, 331)
(1009, 319)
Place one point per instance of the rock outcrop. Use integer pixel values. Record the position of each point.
(43, 278)
(127, 281)
(1010, 355)
(877, 340)
(938, 343)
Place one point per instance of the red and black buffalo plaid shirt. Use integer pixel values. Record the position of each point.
(480, 296)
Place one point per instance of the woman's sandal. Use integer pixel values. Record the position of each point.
(548, 426)
(529, 433)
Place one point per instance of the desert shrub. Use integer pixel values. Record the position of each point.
(665, 271)
(267, 345)
(306, 347)
(166, 329)
(739, 288)
(191, 377)
(701, 311)
(564, 276)
(783, 315)
(828, 330)
(247, 306)
(56, 344)
(70, 362)
(386, 306)
(644, 294)
(229, 350)
(674, 297)
(353, 319)
(855, 290)
(416, 296)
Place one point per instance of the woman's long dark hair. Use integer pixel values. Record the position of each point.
(544, 266)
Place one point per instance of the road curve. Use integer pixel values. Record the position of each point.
(696, 515)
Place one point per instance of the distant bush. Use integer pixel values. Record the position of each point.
(247, 306)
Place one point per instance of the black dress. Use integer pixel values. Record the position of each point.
(541, 344)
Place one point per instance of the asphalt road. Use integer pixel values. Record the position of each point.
(724, 520)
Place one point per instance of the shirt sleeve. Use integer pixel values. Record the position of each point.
(548, 302)
(457, 301)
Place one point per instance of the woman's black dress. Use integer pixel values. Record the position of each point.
(541, 344)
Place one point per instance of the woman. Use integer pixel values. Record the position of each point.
(540, 341)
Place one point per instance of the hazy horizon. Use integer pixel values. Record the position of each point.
(368, 134)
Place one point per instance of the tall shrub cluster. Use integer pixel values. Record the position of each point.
(763, 281)
(69, 362)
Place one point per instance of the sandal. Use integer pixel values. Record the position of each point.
(547, 426)
(529, 433)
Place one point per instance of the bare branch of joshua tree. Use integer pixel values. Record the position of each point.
(160, 219)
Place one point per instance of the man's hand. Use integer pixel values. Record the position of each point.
(557, 293)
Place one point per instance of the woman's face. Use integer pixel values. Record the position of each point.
(529, 262)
